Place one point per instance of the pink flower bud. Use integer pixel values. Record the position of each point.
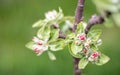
(82, 37)
(94, 56)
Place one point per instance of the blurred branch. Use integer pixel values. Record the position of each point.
(96, 20)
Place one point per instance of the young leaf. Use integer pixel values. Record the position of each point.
(57, 45)
(70, 38)
(44, 33)
(51, 55)
(75, 50)
(54, 35)
(80, 28)
(94, 34)
(39, 23)
(103, 59)
(30, 45)
(60, 14)
(83, 63)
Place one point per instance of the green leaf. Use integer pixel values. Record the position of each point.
(94, 34)
(30, 45)
(75, 50)
(83, 63)
(80, 28)
(54, 35)
(44, 33)
(60, 14)
(103, 59)
(40, 23)
(57, 45)
(51, 55)
(70, 38)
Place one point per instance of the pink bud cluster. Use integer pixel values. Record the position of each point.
(39, 46)
(86, 43)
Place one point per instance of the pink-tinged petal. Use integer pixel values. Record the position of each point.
(35, 39)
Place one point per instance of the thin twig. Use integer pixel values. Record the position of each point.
(61, 35)
(96, 20)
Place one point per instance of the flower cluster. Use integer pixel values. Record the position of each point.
(87, 51)
(86, 46)
(80, 45)
(47, 36)
(40, 46)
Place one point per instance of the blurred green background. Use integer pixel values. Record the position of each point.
(16, 19)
